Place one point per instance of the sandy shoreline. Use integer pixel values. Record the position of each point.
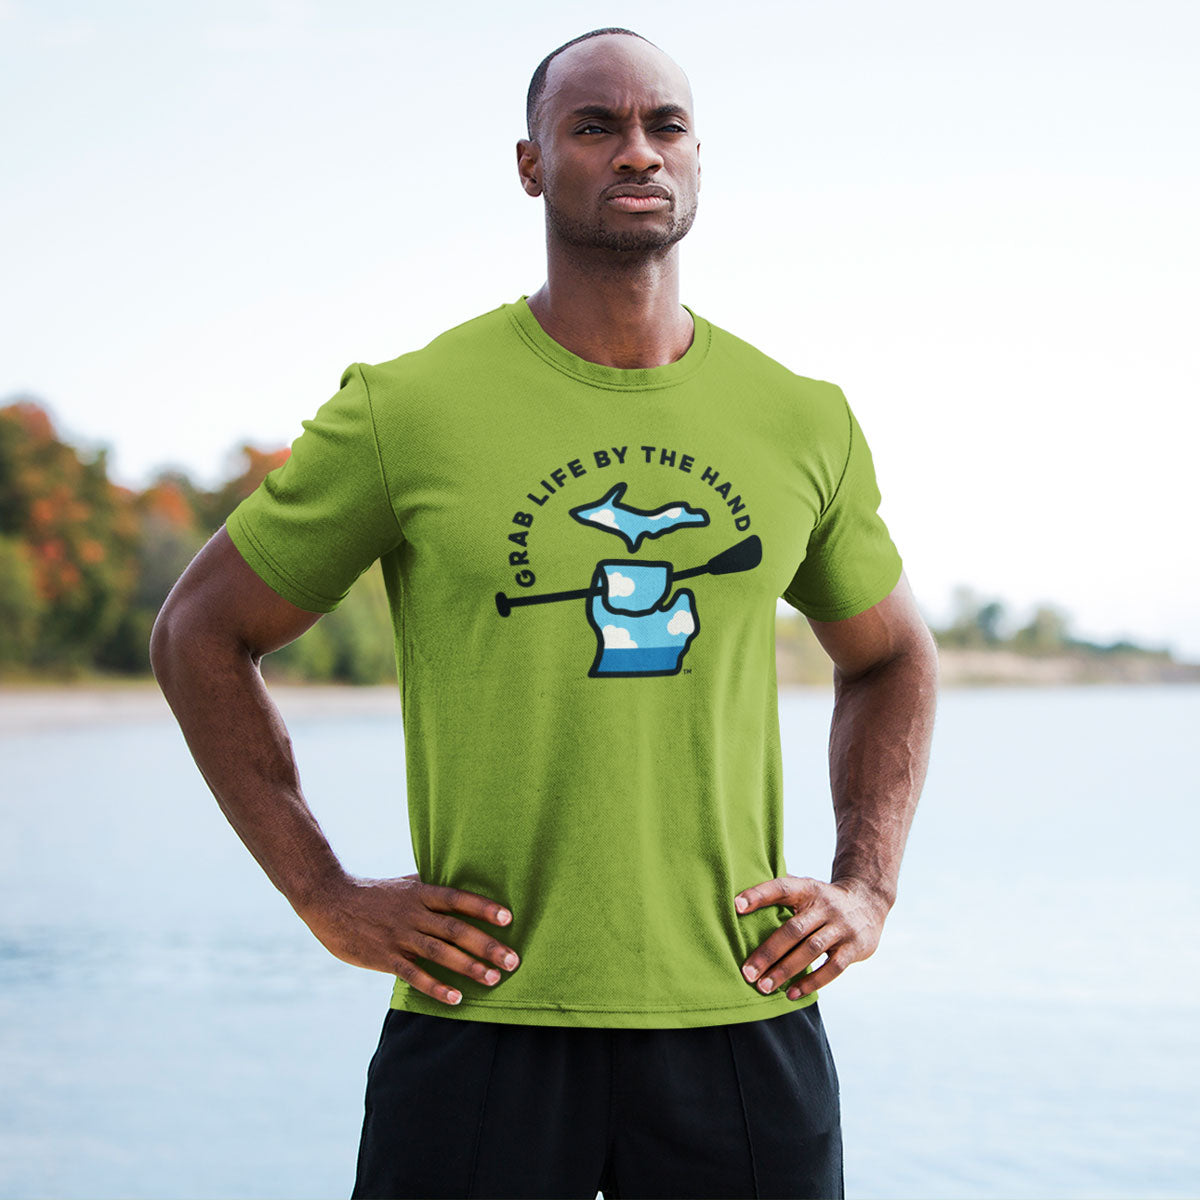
(30, 707)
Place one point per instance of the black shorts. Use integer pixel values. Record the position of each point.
(467, 1108)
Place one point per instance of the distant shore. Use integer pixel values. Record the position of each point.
(989, 668)
(800, 660)
(1004, 668)
(29, 706)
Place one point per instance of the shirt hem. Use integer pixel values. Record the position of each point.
(583, 1016)
(868, 598)
(249, 547)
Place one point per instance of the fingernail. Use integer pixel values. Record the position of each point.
(491, 976)
(511, 961)
(454, 997)
(504, 917)
(751, 973)
(767, 984)
(741, 903)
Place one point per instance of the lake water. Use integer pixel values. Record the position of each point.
(1028, 1028)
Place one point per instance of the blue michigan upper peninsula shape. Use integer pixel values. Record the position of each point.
(634, 524)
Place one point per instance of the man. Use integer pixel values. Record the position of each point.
(596, 985)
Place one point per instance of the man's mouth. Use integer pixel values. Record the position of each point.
(638, 203)
(632, 197)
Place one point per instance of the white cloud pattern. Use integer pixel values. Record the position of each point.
(620, 585)
(681, 623)
(617, 637)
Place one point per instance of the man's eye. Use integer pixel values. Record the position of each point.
(674, 127)
(590, 129)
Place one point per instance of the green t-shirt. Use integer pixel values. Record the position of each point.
(583, 564)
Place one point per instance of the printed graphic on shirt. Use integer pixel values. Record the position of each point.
(634, 524)
(635, 634)
(639, 627)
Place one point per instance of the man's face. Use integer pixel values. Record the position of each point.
(616, 158)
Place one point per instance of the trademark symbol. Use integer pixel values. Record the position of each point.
(687, 670)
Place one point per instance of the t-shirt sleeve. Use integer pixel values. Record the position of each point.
(318, 521)
(851, 562)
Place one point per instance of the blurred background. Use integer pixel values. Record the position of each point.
(978, 220)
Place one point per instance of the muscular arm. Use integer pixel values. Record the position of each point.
(217, 623)
(885, 689)
(208, 640)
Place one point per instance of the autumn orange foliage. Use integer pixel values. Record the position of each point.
(96, 559)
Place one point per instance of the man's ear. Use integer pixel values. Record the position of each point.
(697, 166)
(529, 166)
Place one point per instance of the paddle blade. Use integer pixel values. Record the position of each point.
(743, 556)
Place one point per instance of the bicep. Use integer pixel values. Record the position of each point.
(221, 595)
(881, 633)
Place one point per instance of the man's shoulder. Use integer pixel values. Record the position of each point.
(748, 360)
(477, 338)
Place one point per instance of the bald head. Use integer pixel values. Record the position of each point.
(613, 111)
(590, 52)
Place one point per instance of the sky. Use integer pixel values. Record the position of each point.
(979, 220)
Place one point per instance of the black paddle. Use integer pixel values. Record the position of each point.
(743, 556)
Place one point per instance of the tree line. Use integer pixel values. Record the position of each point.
(85, 564)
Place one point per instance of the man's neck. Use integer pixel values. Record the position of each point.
(626, 317)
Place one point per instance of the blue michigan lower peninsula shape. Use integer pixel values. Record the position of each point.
(634, 635)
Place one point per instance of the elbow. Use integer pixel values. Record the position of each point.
(912, 657)
(924, 651)
(191, 639)
(178, 632)
(919, 657)
(163, 641)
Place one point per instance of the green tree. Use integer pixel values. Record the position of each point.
(85, 565)
(20, 605)
(975, 623)
(78, 529)
(1046, 632)
(352, 644)
(168, 538)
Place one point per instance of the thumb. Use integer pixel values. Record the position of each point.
(789, 890)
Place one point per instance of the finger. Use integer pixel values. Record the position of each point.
(478, 941)
(427, 946)
(785, 889)
(819, 942)
(452, 899)
(795, 937)
(829, 970)
(770, 891)
(781, 942)
(408, 970)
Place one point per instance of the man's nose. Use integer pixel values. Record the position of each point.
(637, 153)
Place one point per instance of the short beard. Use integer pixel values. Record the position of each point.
(593, 235)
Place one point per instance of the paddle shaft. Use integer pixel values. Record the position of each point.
(505, 603)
